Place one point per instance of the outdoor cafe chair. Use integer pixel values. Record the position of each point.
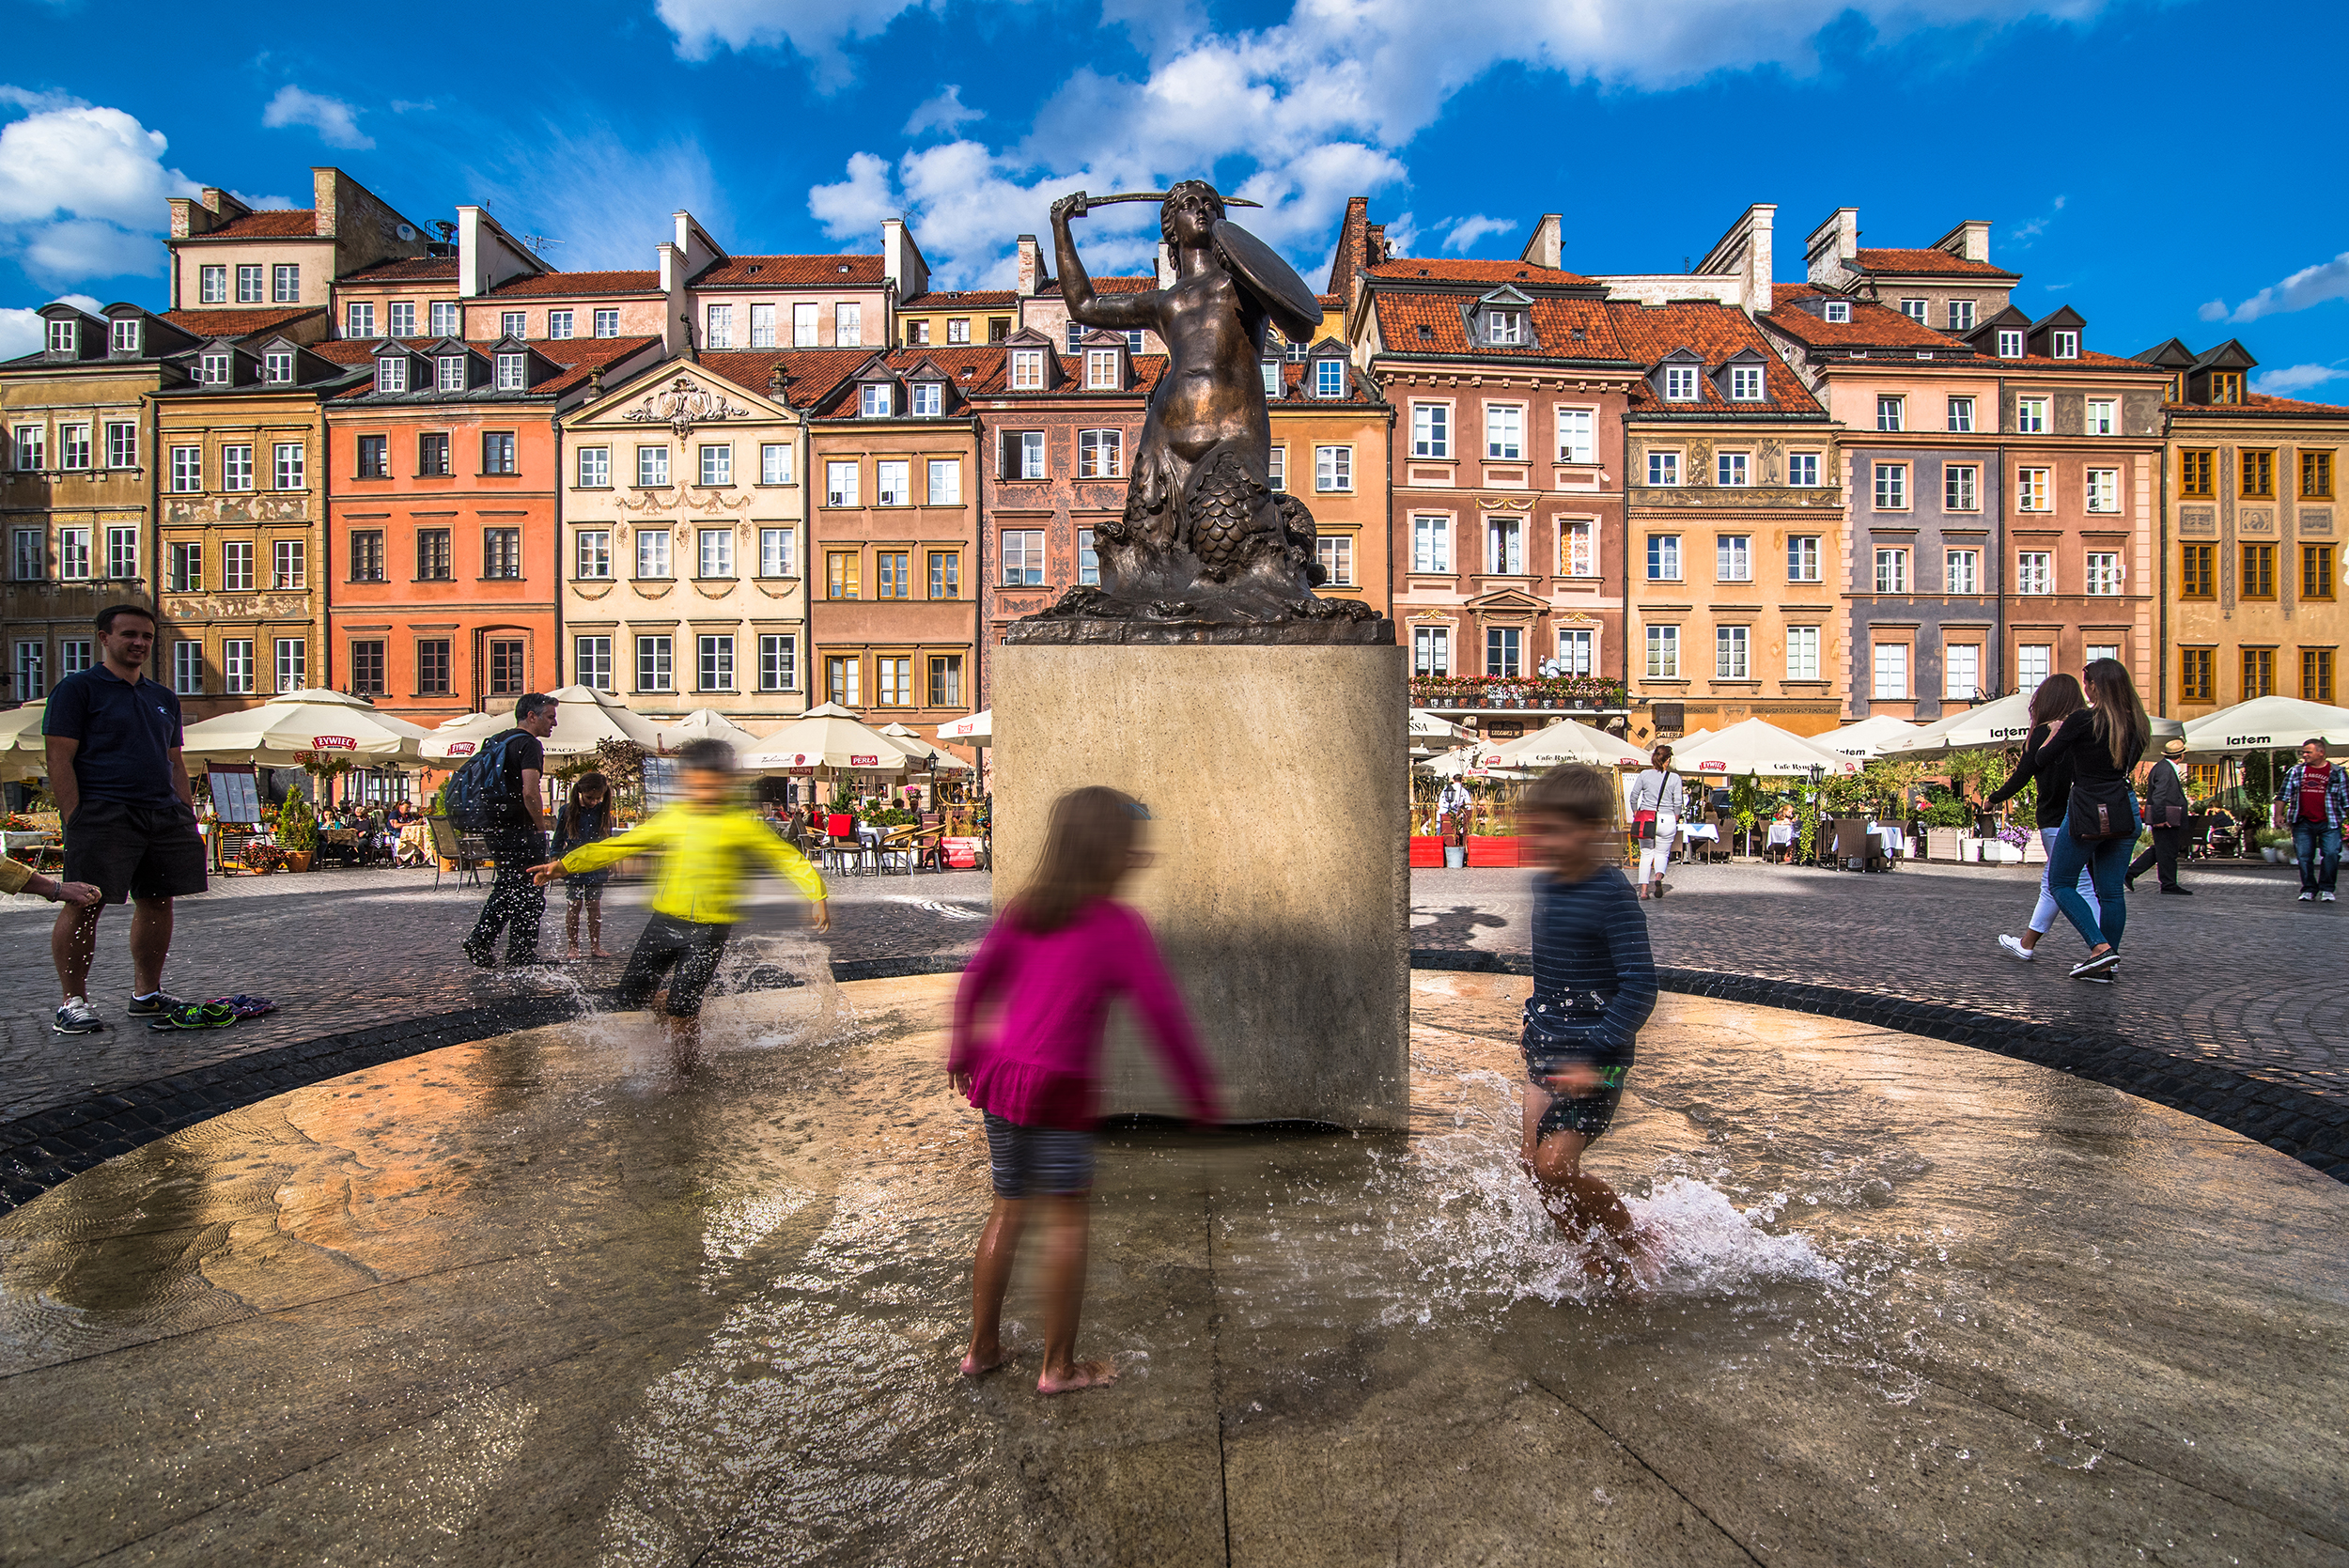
(464, 853)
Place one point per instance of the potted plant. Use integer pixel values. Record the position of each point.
(2274, 844)
(1946, 821)
(297, 832)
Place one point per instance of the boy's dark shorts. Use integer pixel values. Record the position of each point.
(134, 852)
(1590, 1116)
(691, 947)
(1039, 1162)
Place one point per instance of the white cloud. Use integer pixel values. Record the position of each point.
(20, 329)
(816, 29)
(265, 204)
(2310, 286)
(412, 106)
(82, 189)
(337, 122)
(2212, 310)
(608, 200)
(947, 111)
(1469, 230)
(2025, 232)
(2283, 382)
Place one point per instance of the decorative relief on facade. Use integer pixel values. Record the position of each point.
(242, 607)
(2197, 519)
(658, 500)
(718, 590)
(591, 590)
(2316, 520)
(683, 404)
(258, 508)
(2256, 520)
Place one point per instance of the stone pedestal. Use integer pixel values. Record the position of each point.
(1278, 781)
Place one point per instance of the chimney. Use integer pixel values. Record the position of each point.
(901, 259)
(1969, 239)
(1833, 248)
(1743, 253)
(1030, 266)
(1347, 258)
(1167, 275)
(1546, 248)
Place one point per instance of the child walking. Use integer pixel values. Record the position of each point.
(583, 818)
(710, 840)
(1061, 951)
(1594, 987)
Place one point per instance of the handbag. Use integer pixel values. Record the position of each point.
(2101, 811)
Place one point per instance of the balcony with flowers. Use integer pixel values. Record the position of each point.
(1557, 694)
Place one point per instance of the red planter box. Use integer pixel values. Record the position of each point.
(1427, 849)
(1493, 852)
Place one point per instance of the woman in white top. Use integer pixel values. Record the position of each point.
(1658, 801)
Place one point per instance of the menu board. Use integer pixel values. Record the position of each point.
(236, 794)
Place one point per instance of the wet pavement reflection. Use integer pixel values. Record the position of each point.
(535, 1298)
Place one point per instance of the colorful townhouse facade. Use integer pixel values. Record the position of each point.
(1332, 449)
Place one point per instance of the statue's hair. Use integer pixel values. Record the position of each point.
(1175, 192)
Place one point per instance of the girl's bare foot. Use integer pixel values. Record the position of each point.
(599, 952)
(1081, 1375)
(977, 1363)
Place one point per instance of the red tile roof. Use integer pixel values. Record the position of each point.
(299, 224)
(1928, 262)
(559, 283)
(579, 357)
(1436, 271)
(414, 268)
(1715, 333)
(2260, 405)
(970, 299)
(811, 374)
(982, 360)
(238, 323)
(1140, 284)
(780, 272)
(1359, 390)
(2088, 359)
(1401, 315)
(1872, 326)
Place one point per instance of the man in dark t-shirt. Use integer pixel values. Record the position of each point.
(129, 818)
(518, 840)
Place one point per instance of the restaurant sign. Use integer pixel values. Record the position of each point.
(332, 743)
(461, 748)
(855, 761)
(2267, 742)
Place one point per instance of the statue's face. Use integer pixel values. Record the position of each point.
(1189, 218)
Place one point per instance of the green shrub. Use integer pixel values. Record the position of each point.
(296, 826)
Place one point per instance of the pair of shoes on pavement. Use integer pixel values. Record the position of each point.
(2307, 897)
(77, 1016)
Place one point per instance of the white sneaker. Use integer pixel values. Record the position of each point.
(2015, 947)
(2325, 898)
(2308, 898)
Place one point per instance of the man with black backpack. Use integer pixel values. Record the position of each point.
(497, 795)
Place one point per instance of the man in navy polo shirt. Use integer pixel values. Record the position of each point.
(130, 818)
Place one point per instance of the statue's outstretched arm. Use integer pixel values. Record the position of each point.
(1121, 311)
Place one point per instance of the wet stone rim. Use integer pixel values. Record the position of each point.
(39, 1151)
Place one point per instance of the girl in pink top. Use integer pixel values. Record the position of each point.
(1061, 952)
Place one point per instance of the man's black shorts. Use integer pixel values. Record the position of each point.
(134, 852)
(692, 947)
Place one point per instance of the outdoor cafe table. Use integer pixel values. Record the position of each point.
(1781, 832)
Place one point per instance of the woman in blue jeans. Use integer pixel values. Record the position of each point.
(2103, 742)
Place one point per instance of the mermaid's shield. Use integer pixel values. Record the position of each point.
(1284, 295)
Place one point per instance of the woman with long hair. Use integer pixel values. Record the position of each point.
(2057, 699)
(2104, 742)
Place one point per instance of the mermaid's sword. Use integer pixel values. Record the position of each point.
(1082, 202)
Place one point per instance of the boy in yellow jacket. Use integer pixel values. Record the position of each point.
(710, 842)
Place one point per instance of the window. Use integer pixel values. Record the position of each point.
(73, 446)
(762, 326)
(366, 669)
(293, 659)
(1730, 653)
(1431, 545)
(1663, 557)
(778, 660)
(1891, 671)
(2104, 573)
(1961, 571)
(444, 318)
(1961, 488)
(185, 573)
(187, 469)
(277, 367)
(595, 467)
(122, 445)
(840, 483)
(2102, 419)
(946, 569)
(721, 330)
(1277, 469)
(1328, 377)
(846, 329)
(1732, 557)
(1337, 558)
(1961, 671)
(1839, 310)
(2195, 681)
(1574, 440)
(236, 666)
(946, 680)
(1334, 468)
(1891, 571)
(1891, 412)
(1891, 487)
(892, 682)
(559, 324)
(1431, 430)
(1101, 368)
(2316, 571)
(73, 555)
(958, 330)
(213, 285)
(2259, 475)
(2259, 673)
(2009, 343)
(894, 573)
(28, 445)
(2032, 492)
(656, 663)
(434, 559)
(844, 574)
(1961, 316)
(652, 465)
(1802, 468)
(1503, 650)
(2035, 572)
(2196, 571)
(1914, 309)
(291, 465)
(718, 464)
(2104, 489)
(1505, 546)
(1099, 454)
(30, 556)
(2316, 675)
(1663, 653)
(497, 452)
(213, 369)
(1577, 550)
(875, 400)
(1732, 467)
(1680, 384)
(2259, 572)
(716, 658)
(591, 663)
(403, 318)
(1803, 560)
(236, 468)
(2033, 662)
(774, 463)
(607, 323)
(2030, 415)
(2064, 344)
(1802, 653)
(840, 680)
(803, 326)
(452, 372)
(945, 487)
(1663, 467)
(1504, 327)
(359, 320)
(366, 555)
(1027, 370)
(2195, 475)
(289, 565)
(778, 553)
(1431, 650)
(2316, 476)
(1744, 383)
(591, 553)
(126, 334)
(32, 676)
(1962, 415)
(514, 323)
(433, 663)
(502, 552)
(929, 400)
(2101, 650)
(1023, 557)
(2226, 386)
(513, 372)
(652, 552)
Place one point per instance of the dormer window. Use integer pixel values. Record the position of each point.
(2066, 343)
(929, 400)
(1680, 384)
(875, 400)
(64, 337)
(277, 367)
(212, 369)
(2226, 386)
(1504, 328)
(1027, 370)
(2009, 343)
(1101, 370)
(513, 372)
(450, 372)
(1744, 383)
(1292, 352)
(1329, 377)
(1272, 380)
(127, 335)
(391, 373)
(1839, 312)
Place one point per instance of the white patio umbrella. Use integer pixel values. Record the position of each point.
(828, 737)
(314, 721)
(978, 728)
(23, 752)
(1686, 743)
(1569, 742)
(2266, 724)
(1759, 748)
(1867, 739)
(584, 718)
(1431, 726)
(2005, 723)
(925, 755)
(708, 723)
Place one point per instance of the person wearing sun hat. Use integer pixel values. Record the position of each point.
(2165, 818)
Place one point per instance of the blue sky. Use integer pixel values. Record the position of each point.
(2157, 166)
